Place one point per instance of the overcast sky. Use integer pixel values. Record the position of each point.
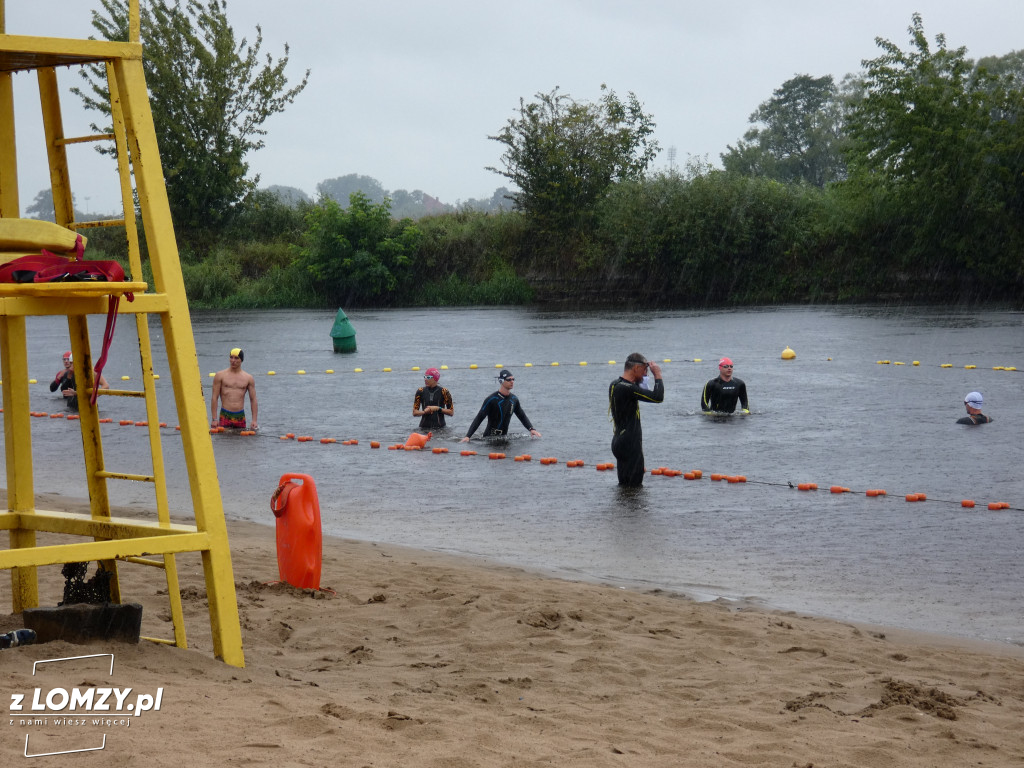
(408, 92)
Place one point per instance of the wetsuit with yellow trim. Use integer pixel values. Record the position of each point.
(720, 395)
(624, 398)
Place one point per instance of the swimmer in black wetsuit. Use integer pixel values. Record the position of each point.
(720, 394)
(624, 397)
(498, 409)
(432, 402)
(65, 382)
(974, 415)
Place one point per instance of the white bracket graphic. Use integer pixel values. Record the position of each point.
(66, 751)
(73, 658)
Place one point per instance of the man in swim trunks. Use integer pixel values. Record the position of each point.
(65, 382)
(624, 397)
(432, 403)
(498, 409)
(230, 386)
(720, 394)
(974, 415)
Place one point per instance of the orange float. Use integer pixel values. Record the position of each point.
(495, 456)
(418, 440)
(299, 537)
(697, 474)
(71, 416)
(716, 477)
(967, 503)
(467, 453)
(911, 497)
(374, 444)
(527, 457)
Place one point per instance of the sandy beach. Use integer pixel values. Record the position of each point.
(411, 658)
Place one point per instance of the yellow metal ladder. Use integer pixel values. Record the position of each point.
(127, 540)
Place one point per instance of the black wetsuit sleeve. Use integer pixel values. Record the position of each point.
(518, 411)
(478, 419)
(743, 397)
(61, 382)
(656, 395)
(707, 396)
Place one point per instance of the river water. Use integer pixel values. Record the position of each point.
(832, 416)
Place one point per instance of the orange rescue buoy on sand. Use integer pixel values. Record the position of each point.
(299, 537)
(416, 440)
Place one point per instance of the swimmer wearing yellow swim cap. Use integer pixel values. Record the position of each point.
(230, 387)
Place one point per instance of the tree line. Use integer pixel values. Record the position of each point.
(904, 181)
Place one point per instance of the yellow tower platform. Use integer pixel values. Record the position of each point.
(112, 541)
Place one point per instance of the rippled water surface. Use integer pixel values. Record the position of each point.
(833, 416)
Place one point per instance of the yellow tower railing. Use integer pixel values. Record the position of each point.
(111, 541)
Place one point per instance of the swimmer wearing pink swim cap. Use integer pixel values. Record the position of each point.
(721, 393)
(431, 402)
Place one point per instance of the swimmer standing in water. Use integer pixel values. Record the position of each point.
(431, 402)
(230, 386)
(498, 409)
(65, 382)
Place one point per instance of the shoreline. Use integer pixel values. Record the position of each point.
(424, 658)
(754, 603)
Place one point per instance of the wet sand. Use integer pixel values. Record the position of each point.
(411, 658)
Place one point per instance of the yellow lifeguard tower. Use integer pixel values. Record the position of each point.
(98, 536)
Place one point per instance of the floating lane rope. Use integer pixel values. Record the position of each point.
(585, 364)
(419, 442)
